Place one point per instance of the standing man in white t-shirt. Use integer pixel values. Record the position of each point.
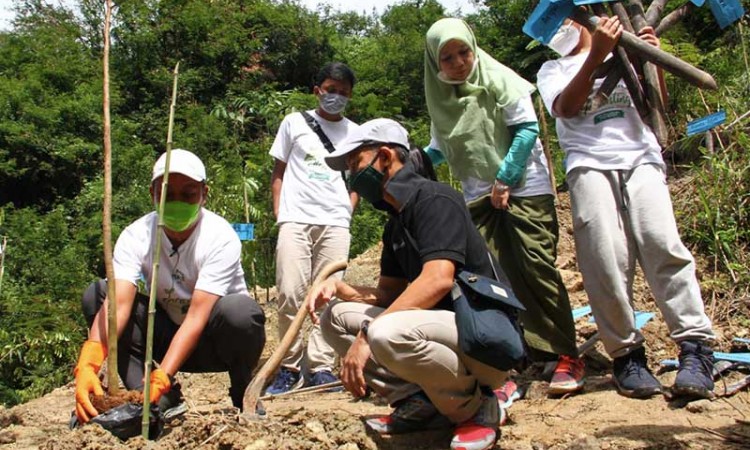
(622, 213)
(205, 319)
(313, 209)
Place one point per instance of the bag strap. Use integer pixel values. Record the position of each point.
(315, 126)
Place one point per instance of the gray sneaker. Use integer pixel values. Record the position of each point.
(694, 379)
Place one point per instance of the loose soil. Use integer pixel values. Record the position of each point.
(598, 418)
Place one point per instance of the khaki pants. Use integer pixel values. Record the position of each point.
(412, 351)
(301, 252)
(620, 217)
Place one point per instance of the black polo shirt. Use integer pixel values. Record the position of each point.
(433, 223)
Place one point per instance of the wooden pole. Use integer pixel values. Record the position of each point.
(113, 381)
(252, 392)
(624, 69)
(653, 13)
(652, 54)
(652, 85)
(672, 18)
(155, 266)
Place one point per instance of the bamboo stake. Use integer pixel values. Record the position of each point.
(652, 84)
(113, 383)
(252, 392)
(2, 261)
(155, 266)
(652, 54)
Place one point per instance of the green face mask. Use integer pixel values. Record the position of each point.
(367, 183)
(179, 216)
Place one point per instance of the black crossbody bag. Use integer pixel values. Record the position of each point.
(315, 126)
(486, 312)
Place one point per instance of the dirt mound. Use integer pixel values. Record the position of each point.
(596, 419)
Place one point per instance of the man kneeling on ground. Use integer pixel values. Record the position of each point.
(205, 319)
(400, 338)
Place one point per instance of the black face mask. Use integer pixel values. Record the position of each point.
(368, 183)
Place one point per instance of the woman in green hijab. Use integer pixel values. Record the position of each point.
(485, 127)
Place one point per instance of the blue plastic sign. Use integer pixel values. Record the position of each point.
(726, 12)
(245, 231)
(547, 18)
(706, 123)
(698, 3)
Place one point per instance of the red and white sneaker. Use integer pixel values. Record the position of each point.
(481, 431)
(506, 395)
(568, 376)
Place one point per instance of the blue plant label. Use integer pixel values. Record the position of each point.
(245, 231)
(547, 18)
(698, 3)
(706, 123)
(726, 12)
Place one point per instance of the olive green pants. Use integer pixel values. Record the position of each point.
(524, 239)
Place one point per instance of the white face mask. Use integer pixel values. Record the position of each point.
(565, 40)
(333, 103)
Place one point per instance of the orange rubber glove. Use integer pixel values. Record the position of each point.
(87, 380)
(160, 385)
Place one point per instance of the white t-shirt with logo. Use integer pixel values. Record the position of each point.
(311, 192)
(208, 260)
(537, 173)
(612, 137)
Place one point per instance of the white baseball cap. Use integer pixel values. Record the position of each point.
(377, 131)
(180, 161)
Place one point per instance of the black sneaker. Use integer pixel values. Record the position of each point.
(632, 377)
(694, 379)
(414, 413)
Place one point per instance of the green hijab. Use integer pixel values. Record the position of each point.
(467, 119)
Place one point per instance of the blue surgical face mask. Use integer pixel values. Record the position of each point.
(333, 103)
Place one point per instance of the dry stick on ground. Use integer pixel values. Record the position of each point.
(652, 54)
(652, 82)
(113, 383)
(307, 390)
(252, 393)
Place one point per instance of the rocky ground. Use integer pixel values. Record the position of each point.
(598, 418)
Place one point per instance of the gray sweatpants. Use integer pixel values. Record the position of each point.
(624, 216)
(412, 351)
